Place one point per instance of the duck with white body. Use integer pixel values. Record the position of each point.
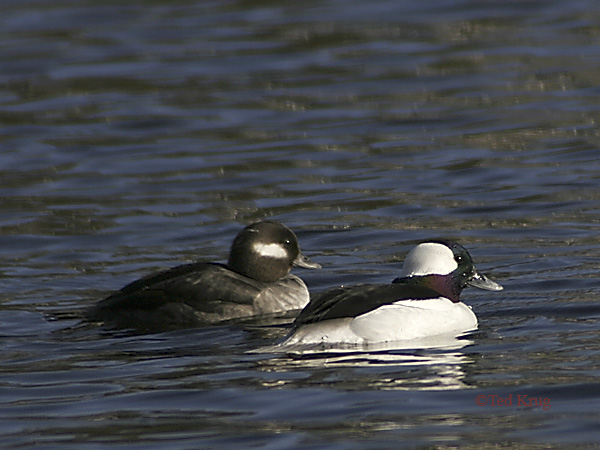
(423, 302)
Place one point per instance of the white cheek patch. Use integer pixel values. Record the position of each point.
(428, 259)
(270, 250)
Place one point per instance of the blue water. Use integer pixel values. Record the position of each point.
(139, 136)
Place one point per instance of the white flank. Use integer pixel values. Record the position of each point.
(270, 250)
(401, 321)
(414, 319)
(427, 259)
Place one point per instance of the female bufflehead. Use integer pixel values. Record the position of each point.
(256, 280)
(423, 302)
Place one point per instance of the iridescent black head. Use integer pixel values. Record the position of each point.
(266, 251)
(446, 267)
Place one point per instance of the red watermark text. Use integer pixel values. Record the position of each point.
(513, 400)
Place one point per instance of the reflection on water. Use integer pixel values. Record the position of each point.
(432, 364)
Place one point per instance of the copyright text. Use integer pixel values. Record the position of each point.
(513, 400)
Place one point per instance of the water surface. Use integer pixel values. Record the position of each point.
(139, 136)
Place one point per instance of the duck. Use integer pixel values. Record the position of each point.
(256, 280)
(422, 303)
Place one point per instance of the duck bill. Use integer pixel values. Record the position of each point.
(482, 282)
(304, 262)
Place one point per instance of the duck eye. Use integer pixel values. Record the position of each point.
(287, 242)
(458, 259)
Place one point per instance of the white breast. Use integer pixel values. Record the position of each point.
(414, 319)
(400, 321)
(287, 294)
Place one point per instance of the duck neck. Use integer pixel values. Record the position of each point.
(445, 285)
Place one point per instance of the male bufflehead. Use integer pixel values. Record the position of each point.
(256, 280)
(423, 302)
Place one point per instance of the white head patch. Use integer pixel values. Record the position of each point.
(429, 258)
(270, 250)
